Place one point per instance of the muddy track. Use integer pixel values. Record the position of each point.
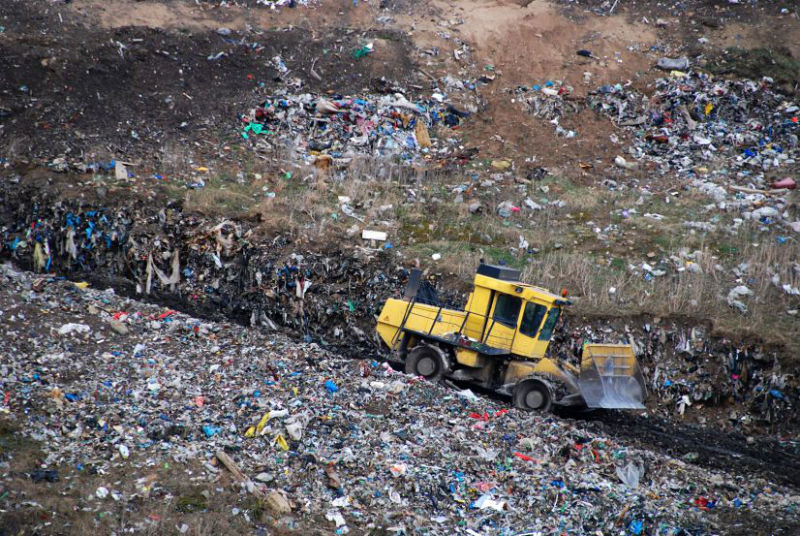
(700, 446)
(706, 448)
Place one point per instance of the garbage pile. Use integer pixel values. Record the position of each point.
(211, 267)
(272, 4)
(734, 140)
(326, 442)
(688, 372)
(694, 119)
(214, 268)
(550, 101)
(220, 269)
(691, 120)
(323, 127)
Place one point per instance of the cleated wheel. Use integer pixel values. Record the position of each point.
(428, 362)
(533, 395)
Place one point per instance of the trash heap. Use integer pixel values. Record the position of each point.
(550, 101)
(687, 368)
(110, 385)
(691, 120)
(694, 119)
(272, 4)
(319, 127)
(734, 140)
(215, 268)
(220, 269)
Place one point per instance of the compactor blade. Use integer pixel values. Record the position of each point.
(610, 377)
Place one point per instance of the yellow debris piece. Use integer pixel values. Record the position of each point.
(281, 441)
(421, 131)
(263, 422)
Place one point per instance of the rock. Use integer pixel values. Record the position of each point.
(277, 503)
(264, 477)
(119, 327)
(673, 64)
(710, 22)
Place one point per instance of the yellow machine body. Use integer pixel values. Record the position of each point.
(502, 336)
(477, 321)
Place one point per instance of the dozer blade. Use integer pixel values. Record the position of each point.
(610, 377)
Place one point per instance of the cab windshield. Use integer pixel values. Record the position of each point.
(549, 324)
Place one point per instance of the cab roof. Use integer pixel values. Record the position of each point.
(506, 280)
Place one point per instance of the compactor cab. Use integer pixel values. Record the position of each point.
(499, 342)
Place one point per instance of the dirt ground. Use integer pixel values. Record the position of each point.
(124, 79)
(144, 85)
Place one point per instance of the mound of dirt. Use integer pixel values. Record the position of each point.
(94, 93)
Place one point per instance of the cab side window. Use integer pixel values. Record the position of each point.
(506, 310)
(532, 319)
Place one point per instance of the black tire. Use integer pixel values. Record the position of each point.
(533, 395)
(428, 362)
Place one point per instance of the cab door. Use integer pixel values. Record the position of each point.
(501, 326)
(533, 332)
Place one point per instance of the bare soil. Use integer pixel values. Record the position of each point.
(143, 87)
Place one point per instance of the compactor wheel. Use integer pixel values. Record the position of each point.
(533, 395)
(428, 362)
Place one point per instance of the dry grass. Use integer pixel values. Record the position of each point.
(217, 201)
(416, 208)
(603, 289)
(303, 207)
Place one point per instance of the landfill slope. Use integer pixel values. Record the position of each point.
(125, 407)
(204, 205)
(228, 270)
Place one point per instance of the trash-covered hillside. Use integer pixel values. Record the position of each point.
(205, 206)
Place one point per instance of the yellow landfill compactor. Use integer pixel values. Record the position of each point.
(499, 342)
